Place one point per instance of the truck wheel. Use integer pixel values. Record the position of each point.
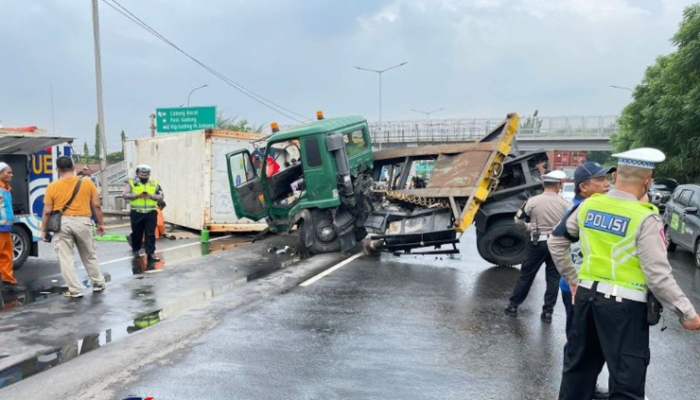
(670, 246)
(20, 247)
(320, 227)
(502, 243)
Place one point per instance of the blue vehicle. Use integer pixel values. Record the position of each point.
(31, 156)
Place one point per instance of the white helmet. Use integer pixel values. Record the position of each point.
(146, 169)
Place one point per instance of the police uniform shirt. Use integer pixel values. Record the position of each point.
(651, 251)
(545, 211)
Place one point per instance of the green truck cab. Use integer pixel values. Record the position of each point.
(317, 176)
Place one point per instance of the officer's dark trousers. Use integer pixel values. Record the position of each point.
(605, 330)
(143, 223)
(536, 256)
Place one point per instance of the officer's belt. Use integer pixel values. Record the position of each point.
(612, 290)
(545, 237)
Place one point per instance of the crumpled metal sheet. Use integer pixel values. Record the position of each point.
(459, 171)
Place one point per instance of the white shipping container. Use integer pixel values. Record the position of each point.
(191, 169)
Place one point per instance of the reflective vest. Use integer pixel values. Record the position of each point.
(7, 216)
(141, 204)
(608, 231)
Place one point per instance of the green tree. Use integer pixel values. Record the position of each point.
(664, 110)
(532, 124)
(235, 124)
(115, 157)
(98, 142)
(601, 157)
(123, 137)
(86, 152)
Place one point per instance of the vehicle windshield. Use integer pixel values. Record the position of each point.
(663, 186)
(568, 188)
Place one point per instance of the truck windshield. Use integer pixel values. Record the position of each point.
(354, 142)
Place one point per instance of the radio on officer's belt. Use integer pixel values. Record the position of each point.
(654, 309)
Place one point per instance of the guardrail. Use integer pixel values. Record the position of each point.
(457, 130)
(116, 173)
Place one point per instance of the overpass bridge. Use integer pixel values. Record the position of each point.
(590, 133)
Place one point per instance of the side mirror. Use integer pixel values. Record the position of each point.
(690, 210)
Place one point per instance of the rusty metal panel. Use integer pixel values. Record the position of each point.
(454, 148)
(459, 171)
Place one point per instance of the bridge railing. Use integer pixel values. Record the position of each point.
(458, 130)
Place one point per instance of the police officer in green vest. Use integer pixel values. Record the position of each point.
(624, 263)
(143, 194)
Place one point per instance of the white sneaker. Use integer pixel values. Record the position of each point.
(68, 293)
(99, 288)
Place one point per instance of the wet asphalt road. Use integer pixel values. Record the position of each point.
(409, 328)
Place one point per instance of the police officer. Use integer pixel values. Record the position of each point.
(624, 260)
(589, 178)
(144, 194)
(540, 214)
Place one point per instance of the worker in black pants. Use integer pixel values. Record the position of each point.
(143, 194)
(539, 214)
(537, 254)
(626, 338)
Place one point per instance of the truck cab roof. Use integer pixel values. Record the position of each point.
(317, 127)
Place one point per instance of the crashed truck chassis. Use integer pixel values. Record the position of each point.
(436, 210)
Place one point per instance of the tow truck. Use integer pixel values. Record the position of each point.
(324, 178)
(31, 155)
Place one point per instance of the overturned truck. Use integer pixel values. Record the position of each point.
(325, 179)
(479, 183)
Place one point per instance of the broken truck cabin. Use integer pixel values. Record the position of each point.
(324, 179)
(461, 183)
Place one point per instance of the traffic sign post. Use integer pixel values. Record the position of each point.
(183, 119)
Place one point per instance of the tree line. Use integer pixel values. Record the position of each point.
(665, 110)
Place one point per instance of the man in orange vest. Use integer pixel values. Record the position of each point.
(9, 282)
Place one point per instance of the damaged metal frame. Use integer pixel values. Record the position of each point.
(433, 213)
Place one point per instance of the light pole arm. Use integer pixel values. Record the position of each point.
(192, 91)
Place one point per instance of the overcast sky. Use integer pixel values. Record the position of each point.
(475, 58)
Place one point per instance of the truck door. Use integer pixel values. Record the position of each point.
(245, 185)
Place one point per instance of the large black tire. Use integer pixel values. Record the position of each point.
(21, 244)
(320, 227)
(697, 253)
(670, 246)
(502, 243)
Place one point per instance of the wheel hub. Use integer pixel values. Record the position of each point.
(17, 246)
(326, 233)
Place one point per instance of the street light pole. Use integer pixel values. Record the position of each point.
(192, 91)
(100, 109)
(427, 113)
(621, 87)
(380, 72)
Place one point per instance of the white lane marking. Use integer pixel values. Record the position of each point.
(164, 250)
(330, 270)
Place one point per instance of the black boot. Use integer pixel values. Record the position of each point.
(511, 310)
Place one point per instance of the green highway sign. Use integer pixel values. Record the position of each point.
(183, 119)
